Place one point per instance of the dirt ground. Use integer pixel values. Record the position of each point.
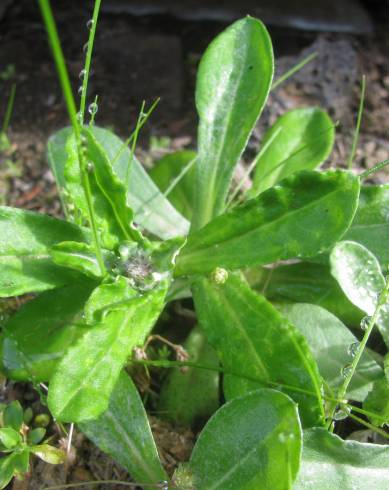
(142, 58)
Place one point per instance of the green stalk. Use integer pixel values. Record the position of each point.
(374, 169)
(8, 112)
(358, 124)
(293, 70)
(88, 60)
(370, 426)
(380, 303)
(55, 44)
(134, 141)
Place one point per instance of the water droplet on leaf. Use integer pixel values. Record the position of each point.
(93, 108)
(89, 24)
(353, 349)
(82, 74)
(365, 323)
(342, 413)
(346, 370)
(90, 167)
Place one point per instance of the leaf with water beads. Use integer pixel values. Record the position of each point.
(353, 349)
(359, 275)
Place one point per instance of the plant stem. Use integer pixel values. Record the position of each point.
(374, 169)
(134, 141)
(293, 70)
(88, 60)
(358, 124)
(8, 111)
(370, 426)
(104, 482)
(71, 107)
(380, 303)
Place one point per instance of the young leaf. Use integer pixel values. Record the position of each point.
(40, 332)
(151, 209)
(359, 275)
(333, 347)
(305, 282)
(123, 432)
(255, 342)
(192, 396)
(252, 442)
(377, 401)
(80, 257)
(9, 437)
(301, 217)
(233, 83)
(13, 416)
(301, 139)
(81, 391)
(16, 464)
(112, 214)
(49, 454)
(167, 170)
(36, 435)
(25, 241)
(328, 462)
(370, 226)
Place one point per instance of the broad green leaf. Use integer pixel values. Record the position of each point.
(377, 401)
(152, 210)
(80, 257)
(13, 415)
(81, 390)
(167, 170)
(302, 216)
(300, 139)
(49, 454)
(13, 465)
(25, 240)
(254, 342)
(332, 345)
(233, 82)
(305, 282)
(112, 214)
(35, 436)
(359, 274)
(37, 336)
(251, 443)
(9, 437)
(191, 396)
(328, 463)
(123, 432)
(370, 226)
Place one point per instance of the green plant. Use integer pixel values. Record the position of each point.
(18, 442)
(103, 282)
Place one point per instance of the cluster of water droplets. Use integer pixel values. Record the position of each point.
(342, 412)
(163, 484)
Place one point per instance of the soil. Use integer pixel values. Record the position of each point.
(141, 58)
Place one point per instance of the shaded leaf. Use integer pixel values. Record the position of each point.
(13, 415)
(377, 401)
(36, 435)
(233, 83)
(328, 462)
(9, 437)
(251, 442)
(254, 342)
(167, 169)
(359, 274)
(331, 344)
(304, 215)
(25, 240)
(37, 336)
(81, 391)
(123, 432)
(301, 139)
(191, 396)
(13, 465)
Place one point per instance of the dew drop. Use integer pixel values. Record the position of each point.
(89, 24)
(219, 275)
(353, 349)
(346, 370)
(284, 437)
(124, 251)
(90, 167)
(82, 74)
(365, 323)
(164, 485)
(85, 48)
(93, 108)
(80, 90)
(79, 116)
(342, 413)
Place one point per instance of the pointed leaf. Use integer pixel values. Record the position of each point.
(359, 274)
(151, 209)
(169, 168)
(191, 396)
(300, 139)
(49, 454)
(233, 83)
(56, 317)
(36, 435)
(9, 437)
(332, 344)
(255, 342)
(81, 391)
(329, 463)
(123, 432)
(13, 415)
(252, 442)
(25, 241)
(301, 217)
(305, 282)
